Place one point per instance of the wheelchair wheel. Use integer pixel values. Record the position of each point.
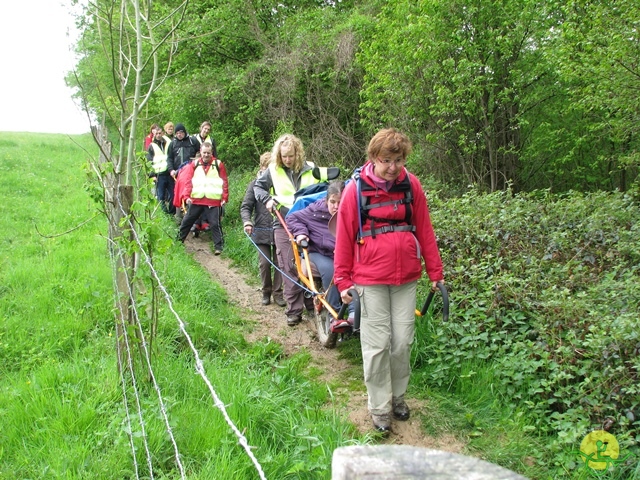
(326, 337)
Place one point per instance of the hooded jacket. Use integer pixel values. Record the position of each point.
(262, 221)
(313, 221)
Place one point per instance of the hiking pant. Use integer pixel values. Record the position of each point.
(165, 185)
(268, 255)
(212, 216)
(386, 334)
(293, 293)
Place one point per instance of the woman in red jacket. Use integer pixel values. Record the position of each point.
(383, 233)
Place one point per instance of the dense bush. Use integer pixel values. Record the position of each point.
(545, 294)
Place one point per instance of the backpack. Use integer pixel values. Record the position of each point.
(365, 207)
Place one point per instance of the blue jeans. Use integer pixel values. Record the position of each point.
(164, 192)
(325, 267)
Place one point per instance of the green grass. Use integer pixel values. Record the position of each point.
(61, 399)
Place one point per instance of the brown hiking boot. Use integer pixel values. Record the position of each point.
(279, 301)
(293, 320)
(382, 423)
(400, 408)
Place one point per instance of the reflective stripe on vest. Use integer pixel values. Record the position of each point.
(159, 158)
(207, 185)
(283, 190)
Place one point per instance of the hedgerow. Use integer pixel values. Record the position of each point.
(545, 292)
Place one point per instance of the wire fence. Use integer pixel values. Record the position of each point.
(132, 323)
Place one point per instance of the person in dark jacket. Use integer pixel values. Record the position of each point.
(157, 156)
(182, 149)
(258, 223)
(311, 224)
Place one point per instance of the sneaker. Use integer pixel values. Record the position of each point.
(279, 301)
(293, 320)
(217, 252)
(266, 299)
(339, 325)
(382, 423)
(400, 408)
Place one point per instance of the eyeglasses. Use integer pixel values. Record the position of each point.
(388, 161)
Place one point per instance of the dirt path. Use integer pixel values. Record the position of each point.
(270, 322)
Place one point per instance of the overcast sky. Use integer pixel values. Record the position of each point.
(35, 58)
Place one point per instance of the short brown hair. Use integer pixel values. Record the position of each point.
(389, 140)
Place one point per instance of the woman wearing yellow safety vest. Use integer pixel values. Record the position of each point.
(157, 155)
(276, 188)
(206, 191)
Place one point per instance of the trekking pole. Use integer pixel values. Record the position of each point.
(294, 246)
(445, 302)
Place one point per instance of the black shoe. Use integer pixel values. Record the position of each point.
(400, 408)
(266, 299)
(279, 301)
(382, 423)
(293, 320)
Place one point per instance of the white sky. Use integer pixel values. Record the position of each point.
(35, 58)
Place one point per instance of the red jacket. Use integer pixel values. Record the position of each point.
(392, 258)
(184, 186)
(147, 141)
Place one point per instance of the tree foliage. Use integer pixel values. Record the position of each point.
(504, 93)
(598, 57)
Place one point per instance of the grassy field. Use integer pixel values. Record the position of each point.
(61, 400)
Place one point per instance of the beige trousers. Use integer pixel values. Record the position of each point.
(386, 334)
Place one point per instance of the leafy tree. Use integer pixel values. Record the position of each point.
(120, 63)
(460, 76)
(598, 56)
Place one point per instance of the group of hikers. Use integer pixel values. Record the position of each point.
(190, 181)
(380, 235)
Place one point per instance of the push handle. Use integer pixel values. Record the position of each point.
(445, 302)
(356, 310)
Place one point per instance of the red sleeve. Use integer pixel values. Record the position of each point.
(225, 181)
(188, 176)
(425, 233)
(346, 235)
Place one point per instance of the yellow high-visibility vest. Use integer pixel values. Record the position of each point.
(284, 191)
(207, 185)
(159, 164)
